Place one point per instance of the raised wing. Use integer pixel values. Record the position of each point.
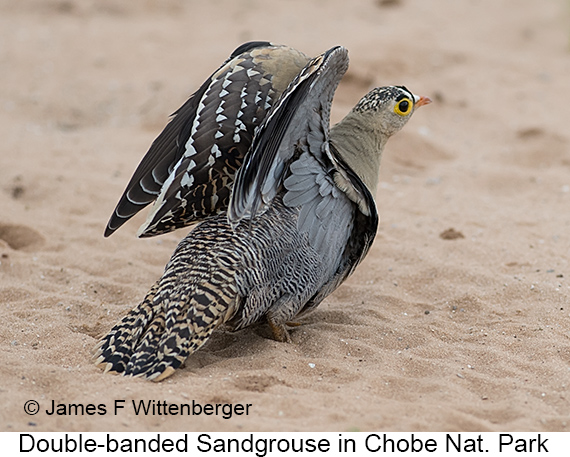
(190, 166)
(301, 115)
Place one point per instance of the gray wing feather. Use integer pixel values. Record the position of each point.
(318, 199)
(297, 198)
(303, 108)
(298, 183)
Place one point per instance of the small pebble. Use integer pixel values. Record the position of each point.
(451, 234)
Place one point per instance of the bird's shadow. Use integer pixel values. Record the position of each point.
(253, 341)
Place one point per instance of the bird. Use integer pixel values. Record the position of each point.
(300, 214)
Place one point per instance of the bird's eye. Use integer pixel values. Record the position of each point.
(403, 107)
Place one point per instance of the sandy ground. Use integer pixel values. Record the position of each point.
(459, 318)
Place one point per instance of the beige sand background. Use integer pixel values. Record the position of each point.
(438, 330)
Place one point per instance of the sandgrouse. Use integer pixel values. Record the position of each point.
(286, 203)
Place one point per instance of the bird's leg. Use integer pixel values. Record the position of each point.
(279, 330)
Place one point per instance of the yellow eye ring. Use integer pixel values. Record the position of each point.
(404, 107)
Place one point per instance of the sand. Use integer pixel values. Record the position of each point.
(458, 319)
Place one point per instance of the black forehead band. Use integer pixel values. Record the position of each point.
(402, 96)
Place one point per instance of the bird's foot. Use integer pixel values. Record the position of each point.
(279, 330)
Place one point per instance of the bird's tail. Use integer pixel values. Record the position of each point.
(177, 316)
(158, 335)
(115, 350)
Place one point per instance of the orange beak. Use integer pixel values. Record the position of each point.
(423, 101)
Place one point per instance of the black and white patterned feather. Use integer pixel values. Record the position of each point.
(189, 168)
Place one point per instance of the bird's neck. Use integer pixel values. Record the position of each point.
(360, 145)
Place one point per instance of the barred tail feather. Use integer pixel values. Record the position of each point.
(161, 352)
(196, 294)
(113, 352)
(145, 344)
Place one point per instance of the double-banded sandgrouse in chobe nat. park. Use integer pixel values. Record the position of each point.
(285, 202)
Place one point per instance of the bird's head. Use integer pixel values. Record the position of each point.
(361, 136)
(387, 109)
